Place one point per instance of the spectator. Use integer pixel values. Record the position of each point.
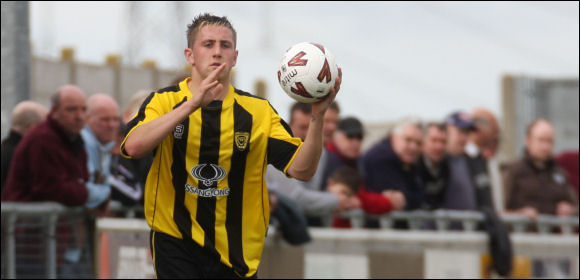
(50, 163)
(568, 160)
(128, 176)
(99, 135)
(345, 150)
(329, 126)
(390, 164)
(330, 121)
(134, 105)
(481, 149)
(460, 194)
(536, 184)
(25, 116)
(344, 181)
(434, 165)
(312, 202)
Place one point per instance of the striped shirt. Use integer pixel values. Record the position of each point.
(207, 182)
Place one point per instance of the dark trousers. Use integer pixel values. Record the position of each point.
(177, 258)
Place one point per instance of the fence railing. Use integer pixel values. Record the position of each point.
(50, 240)
(45, 240)
(469, 220)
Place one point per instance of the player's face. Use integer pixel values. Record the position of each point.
(213, 46)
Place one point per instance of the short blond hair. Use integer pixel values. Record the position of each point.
(204, 20)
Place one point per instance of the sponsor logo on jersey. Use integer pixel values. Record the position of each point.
(207, 177)
(218, 173)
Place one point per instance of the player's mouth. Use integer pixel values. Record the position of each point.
(216, 64)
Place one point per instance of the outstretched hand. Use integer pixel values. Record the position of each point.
(320, 107)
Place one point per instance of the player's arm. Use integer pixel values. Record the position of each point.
(306, 161)
(143, 139)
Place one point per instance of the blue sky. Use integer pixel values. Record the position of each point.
(398, 58)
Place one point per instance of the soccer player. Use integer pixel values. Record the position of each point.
(206, 200)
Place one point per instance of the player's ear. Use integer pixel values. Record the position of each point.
(189, 56)
(235, 58)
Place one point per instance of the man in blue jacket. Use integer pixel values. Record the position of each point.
(390, 164)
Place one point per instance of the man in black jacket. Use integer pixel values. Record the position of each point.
(434, 166)
(25, 116)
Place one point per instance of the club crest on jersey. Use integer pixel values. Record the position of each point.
(218, 173)
(178, 131)
(241, 139)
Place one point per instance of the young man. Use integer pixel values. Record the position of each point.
(205, 198)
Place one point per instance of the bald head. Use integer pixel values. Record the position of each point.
(69, 107)
(103, 117)
(486, 135)
(540, 140)
(26, 115)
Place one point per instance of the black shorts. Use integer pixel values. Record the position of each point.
(177, 258)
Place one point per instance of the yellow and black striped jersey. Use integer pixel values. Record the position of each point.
(207, 179)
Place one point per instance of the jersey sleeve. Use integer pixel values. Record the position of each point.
(282, 145)
(151, 109)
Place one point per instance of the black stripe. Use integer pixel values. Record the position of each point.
(280, 152)
(209, 154)
(140, 115)
(242, 124)
(286, 127)
(181, 215)
(174, 88)
(241, 92)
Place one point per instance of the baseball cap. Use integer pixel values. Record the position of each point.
(351, 126)
(462, 120)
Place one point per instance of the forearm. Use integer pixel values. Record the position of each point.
(306, 161)
(314, 202)
(143, 139)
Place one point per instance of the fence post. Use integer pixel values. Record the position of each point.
(51, 246)
(10, 247)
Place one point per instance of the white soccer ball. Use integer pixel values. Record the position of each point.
(307, 71)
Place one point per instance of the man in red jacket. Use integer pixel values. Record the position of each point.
(50, 164)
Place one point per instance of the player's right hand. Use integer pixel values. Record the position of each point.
(209, 89)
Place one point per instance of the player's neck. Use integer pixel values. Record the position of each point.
(195, 82)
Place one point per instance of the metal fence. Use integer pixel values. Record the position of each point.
(48, 240)
(469, 221)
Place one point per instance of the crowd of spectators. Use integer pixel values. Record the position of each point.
(71, 155)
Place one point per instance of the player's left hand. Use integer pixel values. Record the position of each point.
(320, 107)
